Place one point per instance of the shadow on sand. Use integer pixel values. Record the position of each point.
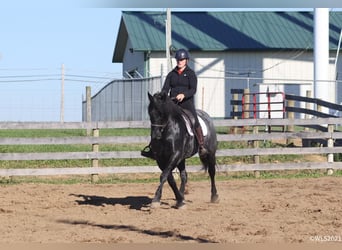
(134, 202)
(162, 234)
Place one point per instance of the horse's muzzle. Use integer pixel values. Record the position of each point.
(157, 134)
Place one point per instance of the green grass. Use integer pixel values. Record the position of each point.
(125, 162)
(154, 177)
(113, 147)
(71, 132)
(27, 133)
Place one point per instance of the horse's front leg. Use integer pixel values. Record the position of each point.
(178, 194)
(167, 168)
(157, 196)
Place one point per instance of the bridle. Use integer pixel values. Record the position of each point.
(159, 125)
(162, 126)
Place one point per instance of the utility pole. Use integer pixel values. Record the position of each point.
(62, 96)
(323, 89)
(168, 39)
(337, 53)
(335, 67)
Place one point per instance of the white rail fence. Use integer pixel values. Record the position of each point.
(330, 135)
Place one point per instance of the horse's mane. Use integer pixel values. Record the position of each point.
(168, 106)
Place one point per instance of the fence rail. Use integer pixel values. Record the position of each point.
(330, 136)
(242, 108)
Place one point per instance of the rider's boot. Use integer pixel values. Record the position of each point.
(147, 152)
(202, 151)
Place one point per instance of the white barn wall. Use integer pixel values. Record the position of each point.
(290, 72)
(210, 96)
(285, 67)
(219, 72)
(210, 92)
(239, 66)
(157, 64)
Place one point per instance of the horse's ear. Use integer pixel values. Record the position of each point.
(163, 95)
(150, 96)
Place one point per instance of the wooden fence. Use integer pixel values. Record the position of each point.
(242, 106)
(95, 140)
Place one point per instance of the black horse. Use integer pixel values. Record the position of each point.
(171, 144)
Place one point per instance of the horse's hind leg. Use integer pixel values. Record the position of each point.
(212, 172)
(183, 176)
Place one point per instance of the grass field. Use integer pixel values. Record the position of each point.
(110, 147)
(134, 147)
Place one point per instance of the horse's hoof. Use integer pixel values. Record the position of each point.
(155, 204)
(180, 205)
(215, 199)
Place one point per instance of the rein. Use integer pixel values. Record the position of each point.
(158, 125)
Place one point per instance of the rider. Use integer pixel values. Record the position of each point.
(181, 83)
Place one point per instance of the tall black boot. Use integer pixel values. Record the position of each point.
(200, 139)
(147, 152)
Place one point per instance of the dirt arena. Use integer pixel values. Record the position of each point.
(249, 211)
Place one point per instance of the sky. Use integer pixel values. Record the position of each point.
(38, 37)
(35, 42)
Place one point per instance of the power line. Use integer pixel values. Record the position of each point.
(80, 80)
(53, 77)
(28, 76)
(22, 69)
(87, 76)
(30, 80)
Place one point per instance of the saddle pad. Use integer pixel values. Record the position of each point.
(202, 124)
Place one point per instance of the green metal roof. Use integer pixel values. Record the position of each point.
(222, 31)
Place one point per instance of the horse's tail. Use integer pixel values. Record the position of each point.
(208, 161)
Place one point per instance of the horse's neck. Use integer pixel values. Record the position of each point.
(177, 119)
(172, 112)
(176, 113)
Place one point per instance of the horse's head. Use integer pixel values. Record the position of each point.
(159, 104)
(159, 110)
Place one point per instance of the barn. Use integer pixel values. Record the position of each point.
(262, 51)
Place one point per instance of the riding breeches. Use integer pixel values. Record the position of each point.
(189, 105)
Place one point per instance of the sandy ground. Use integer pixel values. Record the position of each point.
(249, 211)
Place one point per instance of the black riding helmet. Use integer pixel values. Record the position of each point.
(182, 54)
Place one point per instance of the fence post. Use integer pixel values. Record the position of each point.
(245, 112)
(256, 158)
(330, 145)
(319, 108)
(88, 109)
(308, 106)
(95, 162)
(269, 108)
(290, 115)
(235, 110)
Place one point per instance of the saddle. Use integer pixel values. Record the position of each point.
(189, 120)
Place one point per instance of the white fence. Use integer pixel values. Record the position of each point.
(330, 136)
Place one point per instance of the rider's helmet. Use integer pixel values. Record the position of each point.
(182, 54)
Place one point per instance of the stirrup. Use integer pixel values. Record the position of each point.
(147, 152)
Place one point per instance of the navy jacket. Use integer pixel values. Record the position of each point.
(184, 83)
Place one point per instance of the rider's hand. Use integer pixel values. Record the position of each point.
(180, 97)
